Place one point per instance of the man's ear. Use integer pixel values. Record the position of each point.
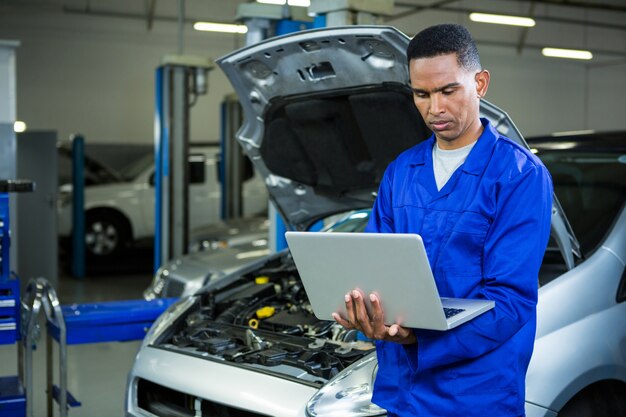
(482, 83)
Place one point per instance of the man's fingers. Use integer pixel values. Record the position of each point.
(373, 326)
(378, 318)
(350, 311)
(362, 317)
(401, 334)
(399, 331)
(345, 323)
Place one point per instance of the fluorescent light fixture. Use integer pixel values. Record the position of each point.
(567, 53)
(19, 127)
(500, 19)
(298, 3)
(573, 133)
(220, 27)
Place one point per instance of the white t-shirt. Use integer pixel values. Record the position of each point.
(445, 162)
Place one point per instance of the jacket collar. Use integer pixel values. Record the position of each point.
(475, 162)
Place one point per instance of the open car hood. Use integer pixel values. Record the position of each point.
(326, 111)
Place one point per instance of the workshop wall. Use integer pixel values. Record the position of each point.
(545, 95)
(95, 75)
(550, 95)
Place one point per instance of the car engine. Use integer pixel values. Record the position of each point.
(263, 320)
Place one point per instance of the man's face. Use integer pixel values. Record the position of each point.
(448, 96)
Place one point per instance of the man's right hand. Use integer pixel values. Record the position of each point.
(372, 326)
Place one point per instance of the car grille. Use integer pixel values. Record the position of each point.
(166, 402)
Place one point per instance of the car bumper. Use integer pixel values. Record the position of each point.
(217, 383)
(231, 386)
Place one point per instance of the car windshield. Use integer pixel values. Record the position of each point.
(591, 187)
(94, 171)
(132, 170)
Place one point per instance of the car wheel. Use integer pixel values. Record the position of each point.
(600, 400)
(106, 234)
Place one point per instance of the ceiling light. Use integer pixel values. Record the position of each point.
(300, 3)
(220, 27)
(566, 53)
(500, 19)
(19, 127)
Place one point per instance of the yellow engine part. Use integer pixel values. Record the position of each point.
(253, 323)
(262, 280)
(265, 312)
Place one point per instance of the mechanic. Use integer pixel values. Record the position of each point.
(482, 205)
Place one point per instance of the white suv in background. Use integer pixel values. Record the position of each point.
(120, 212)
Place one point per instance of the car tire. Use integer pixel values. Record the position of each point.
(603, 399)
(106, 234)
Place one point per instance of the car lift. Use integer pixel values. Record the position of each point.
(179, 81)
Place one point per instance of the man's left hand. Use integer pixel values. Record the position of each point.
(372, 326)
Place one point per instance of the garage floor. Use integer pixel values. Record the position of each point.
(96, 372)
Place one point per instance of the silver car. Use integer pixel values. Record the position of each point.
(215, 251)
(222, 249)
(326, 111)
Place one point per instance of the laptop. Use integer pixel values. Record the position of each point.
(392, 265)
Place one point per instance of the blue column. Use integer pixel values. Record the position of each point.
(160, 147)
(4, 237)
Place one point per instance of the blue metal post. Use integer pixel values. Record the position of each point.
(4, 237)
(319, 21)
(160, 147)
(78, 206)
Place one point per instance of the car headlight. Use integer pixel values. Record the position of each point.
(349, 394)
(155, 289)
(167, 318)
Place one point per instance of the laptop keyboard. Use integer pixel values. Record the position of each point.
(449, 312)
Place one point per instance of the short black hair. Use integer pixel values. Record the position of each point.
(442, 40)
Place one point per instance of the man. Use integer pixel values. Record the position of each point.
(482, 205)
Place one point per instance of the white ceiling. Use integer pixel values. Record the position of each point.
(598, 25)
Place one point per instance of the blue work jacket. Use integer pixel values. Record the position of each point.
(485, 234)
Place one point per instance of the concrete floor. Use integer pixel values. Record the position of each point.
(96, 372)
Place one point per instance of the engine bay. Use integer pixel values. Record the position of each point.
(263, 319)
